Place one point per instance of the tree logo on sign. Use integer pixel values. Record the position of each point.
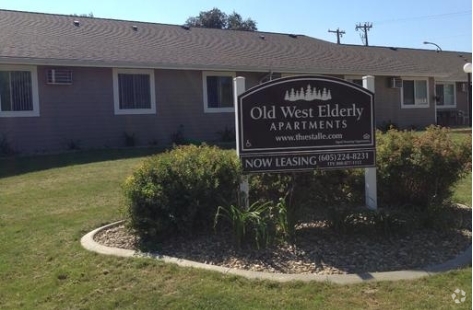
(459, 296)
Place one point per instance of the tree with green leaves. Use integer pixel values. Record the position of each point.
(236, 22)
(215, 18)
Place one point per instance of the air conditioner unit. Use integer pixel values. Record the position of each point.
(59, 76)
(395, 82)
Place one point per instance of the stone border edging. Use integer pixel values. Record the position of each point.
(88, 242)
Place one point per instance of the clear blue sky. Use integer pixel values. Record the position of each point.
(400, 23)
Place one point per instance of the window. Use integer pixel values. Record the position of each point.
(218, 91)
(18, 92)
(133, 91)
(356, 79)
(415, 94)
(445, 95)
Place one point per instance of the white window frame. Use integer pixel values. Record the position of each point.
(415, 105)
(116, 94)
(208, 109)
(454, 105)
(34, 92)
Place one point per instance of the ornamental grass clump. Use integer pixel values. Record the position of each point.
(249, 225)
(260, 224)
(178, 192)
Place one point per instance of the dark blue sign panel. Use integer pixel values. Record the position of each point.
(304, 123)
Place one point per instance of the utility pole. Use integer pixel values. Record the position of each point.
(366, 27)
(339, 34)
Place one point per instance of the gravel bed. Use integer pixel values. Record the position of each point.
(318, 250)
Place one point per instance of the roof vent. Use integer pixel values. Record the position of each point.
(76, 23)
(134, 27)
(261, 37)
(294, 36)
(185, 27)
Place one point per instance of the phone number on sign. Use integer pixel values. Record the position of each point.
(344, 156)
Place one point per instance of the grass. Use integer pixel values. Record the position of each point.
(462, 193)
(47, 203)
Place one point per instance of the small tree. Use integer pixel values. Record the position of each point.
(235, 22)
(215, 18)
(209, 19)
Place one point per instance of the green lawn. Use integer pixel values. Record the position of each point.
(47, 203)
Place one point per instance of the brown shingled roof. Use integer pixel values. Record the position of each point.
(55, 39)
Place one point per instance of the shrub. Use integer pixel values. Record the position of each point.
(5, 146)
(227, 134)
(387, 125)
(419, 168)
(130, 139)
(178, 192)
(310, 192)
(73, 145)
(177, 137)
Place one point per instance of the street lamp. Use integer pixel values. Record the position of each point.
(467, 70)
(439, 49)
(467, 67)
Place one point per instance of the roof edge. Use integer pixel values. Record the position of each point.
(82, 63)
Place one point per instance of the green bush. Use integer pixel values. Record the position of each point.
(5, 146)
(178, 192)
(310, 193)
(419, 169)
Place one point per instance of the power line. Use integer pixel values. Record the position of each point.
(415, 18)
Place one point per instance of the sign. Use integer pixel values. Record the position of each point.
(303, 123)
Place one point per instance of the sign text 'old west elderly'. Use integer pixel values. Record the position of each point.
(303, 123)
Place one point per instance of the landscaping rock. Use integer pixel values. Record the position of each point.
(318, 250)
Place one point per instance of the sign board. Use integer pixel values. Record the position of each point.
(303, 123)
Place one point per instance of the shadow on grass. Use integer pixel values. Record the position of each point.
(12, 166)
(16, 165)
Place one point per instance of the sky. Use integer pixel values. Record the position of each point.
(398, 23)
